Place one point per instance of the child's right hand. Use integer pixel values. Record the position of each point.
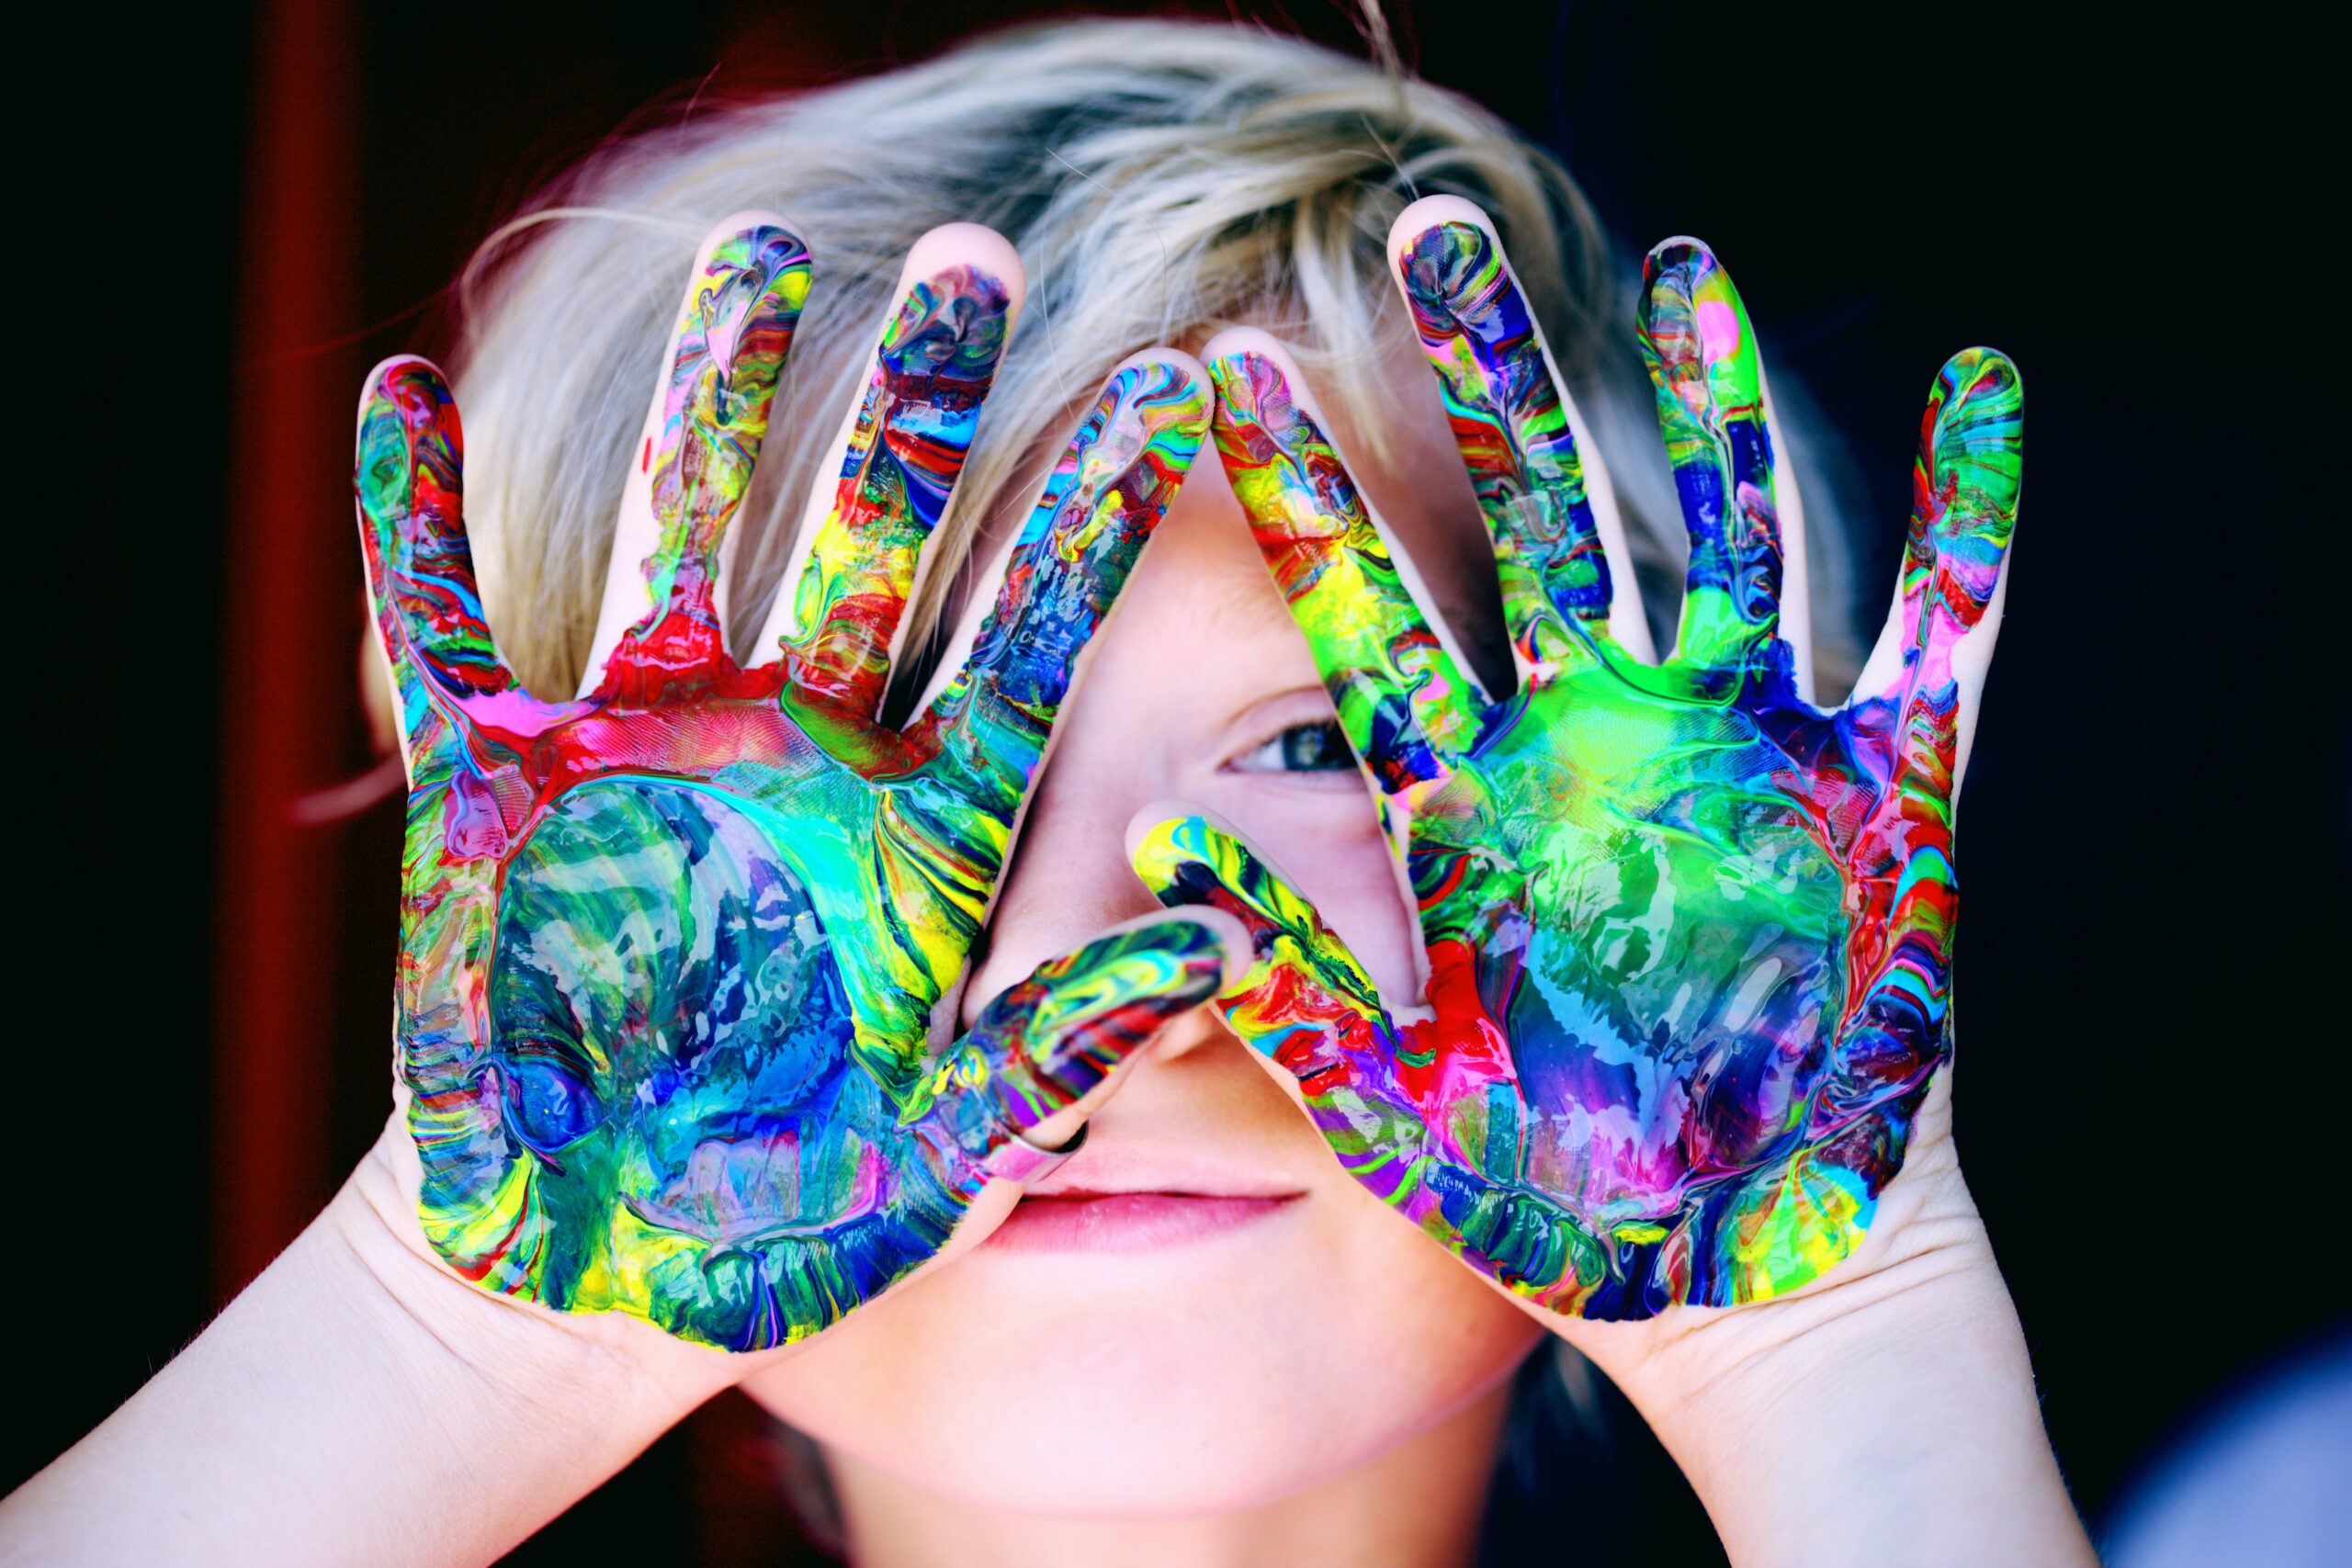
(672, 951)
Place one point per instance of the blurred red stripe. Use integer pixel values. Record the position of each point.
(285, 607)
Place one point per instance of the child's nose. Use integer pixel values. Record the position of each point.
(1069, 882)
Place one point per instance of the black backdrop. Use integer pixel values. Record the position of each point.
(2156, 842)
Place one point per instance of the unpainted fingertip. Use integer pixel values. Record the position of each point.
(974, 245)
(1234, 342)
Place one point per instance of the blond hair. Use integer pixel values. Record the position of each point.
(1161, 180)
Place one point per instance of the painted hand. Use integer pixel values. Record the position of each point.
(1689, 938)
(671, 951)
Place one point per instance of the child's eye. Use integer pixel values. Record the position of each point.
(1302, 749)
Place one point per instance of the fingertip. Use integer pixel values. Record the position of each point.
(1119, 472)
(408, 449)
(1170, 959)
(742, 305)
(401, 366)
(1175, 849)
(1178, 378)
(1431, 215)
(400, 380)
(1975, 431)
(1982, 381)
(1979, 375)
(1240, 360)
(959, 292)
(1678, 252)
(1172, 827)
(1259, 381)
(756, 224)
(1153, 841)
(1672, 275)
(1454, 275)
(760, 240)
(1060, 1036)
(749, 281)
(1247, 343)
(1964, 498)
(973, 245)
(1689, 304)
(1154, 411)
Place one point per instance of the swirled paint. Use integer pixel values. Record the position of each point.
(671, 952)
(1689, 938)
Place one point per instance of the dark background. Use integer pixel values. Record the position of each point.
(2154, 1092)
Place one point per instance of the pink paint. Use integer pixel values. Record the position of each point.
(1718, 331)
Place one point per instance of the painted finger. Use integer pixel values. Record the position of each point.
(1303, 1002)
(661, 631)
(1702, 354)
(901, 449)
(1400, 692)
(1044, 1044)
(1796, 577)
(408, 481)
(1387, 1099)
(988, 728)
(1923, 679)
(1546, 498)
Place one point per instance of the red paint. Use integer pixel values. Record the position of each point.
(1467, 1050)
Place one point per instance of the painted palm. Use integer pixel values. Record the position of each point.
(1689, 938)
(670, 952)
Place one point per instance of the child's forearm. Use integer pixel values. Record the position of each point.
(354, 1405)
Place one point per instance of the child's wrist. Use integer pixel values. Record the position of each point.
(599, 1371)
(1886, 1414)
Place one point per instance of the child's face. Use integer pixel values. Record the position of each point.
(1237, 1319)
